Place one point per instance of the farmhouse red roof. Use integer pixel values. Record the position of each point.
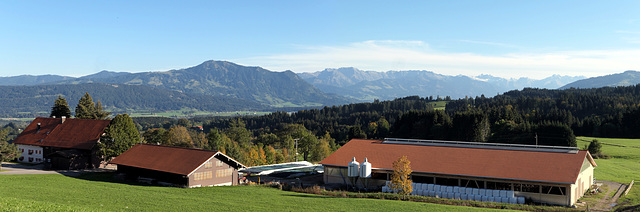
(175, 160)
(72, 133)
(460, 161)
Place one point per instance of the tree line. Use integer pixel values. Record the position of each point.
(597, 112)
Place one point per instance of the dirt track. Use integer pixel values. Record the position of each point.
(607, 202)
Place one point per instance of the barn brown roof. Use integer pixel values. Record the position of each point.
(175, 160)
(459, 161)
(72, 133)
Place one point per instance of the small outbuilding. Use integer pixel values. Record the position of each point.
(178, 166)
(470, 170)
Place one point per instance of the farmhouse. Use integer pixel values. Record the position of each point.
(178, 166)
(61, 143)
(475, 171)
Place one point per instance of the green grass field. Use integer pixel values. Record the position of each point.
(440, 105)
(98, 193)
(622, 167)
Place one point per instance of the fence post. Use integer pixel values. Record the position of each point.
(628, 188)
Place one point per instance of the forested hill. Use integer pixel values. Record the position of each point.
(31, 80)
(622, 79)
(530, 116)
(598, 112)
(359, 120)
(226, 79)
(32, 101)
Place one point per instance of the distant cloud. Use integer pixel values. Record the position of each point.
(630, 36)
(417, 55)
(490, 43)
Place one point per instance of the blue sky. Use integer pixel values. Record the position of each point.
(503, 38)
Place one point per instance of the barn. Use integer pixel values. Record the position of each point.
(185, 167)
(544, 174)
(61, 143)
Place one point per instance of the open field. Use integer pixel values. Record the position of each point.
(622, 167)
(439, 105)
(97, 192)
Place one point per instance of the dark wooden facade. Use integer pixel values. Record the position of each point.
(178, 166)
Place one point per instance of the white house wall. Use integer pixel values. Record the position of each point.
(584, 181)
(30, 154)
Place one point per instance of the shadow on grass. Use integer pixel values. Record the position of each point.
(319, 196)
(108, 177)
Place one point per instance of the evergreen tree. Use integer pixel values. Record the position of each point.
(60, 108)
(87, 109)
(99, 113)
(356, 132)
(215, 141)
(594, 147)
(120, 135)
(239, 133)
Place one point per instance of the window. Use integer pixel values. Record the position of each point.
(422, 179)
(498, 185)
(203, 175)
(529, 188)
(335, 171)
(224, 172)
(471, 183)
(446, 181)
(554, 190)
(219, 163)
(379, 176)
(208, 164)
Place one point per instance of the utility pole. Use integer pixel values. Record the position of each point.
(536, 139)
(296, 144)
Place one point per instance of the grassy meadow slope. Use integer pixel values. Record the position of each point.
(622, 167)
(61, 193)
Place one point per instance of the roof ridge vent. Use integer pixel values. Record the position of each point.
(466, 144)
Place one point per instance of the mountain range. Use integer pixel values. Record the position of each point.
(370, 85)
(226, 86)
(221, 78)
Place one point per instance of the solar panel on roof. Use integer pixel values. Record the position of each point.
(465, 144)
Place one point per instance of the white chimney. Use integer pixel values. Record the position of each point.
(63, 119)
